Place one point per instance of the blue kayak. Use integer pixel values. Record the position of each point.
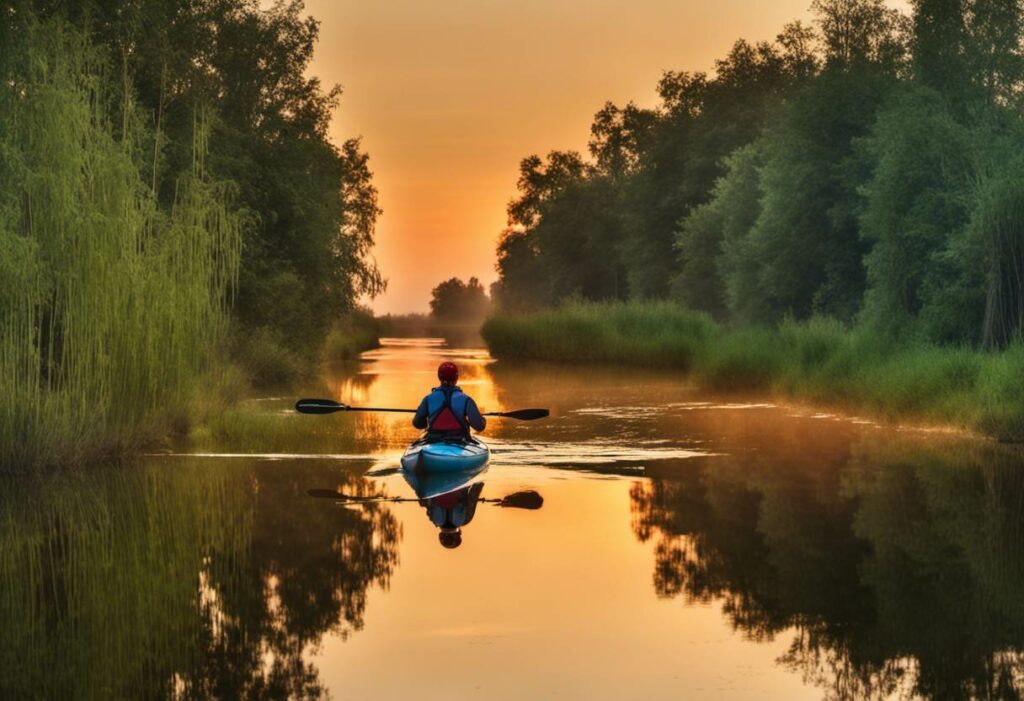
(428, 485)
(445, 456)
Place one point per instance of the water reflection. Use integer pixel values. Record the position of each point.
(201, 581)
(449, 499)
(898, 566)
(795, 555)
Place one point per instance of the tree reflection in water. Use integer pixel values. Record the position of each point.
(898, 563)
(196, 580)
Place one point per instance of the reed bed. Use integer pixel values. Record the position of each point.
(109, 302)
(819, 360)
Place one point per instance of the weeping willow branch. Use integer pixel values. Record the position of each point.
(109, 304)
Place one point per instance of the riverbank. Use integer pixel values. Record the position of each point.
(819, 361)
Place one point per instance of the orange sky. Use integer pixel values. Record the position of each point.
(449, 96)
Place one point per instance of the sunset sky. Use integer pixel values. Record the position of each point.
(448, 98)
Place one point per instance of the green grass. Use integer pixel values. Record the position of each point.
(818, 360)
(357, 332)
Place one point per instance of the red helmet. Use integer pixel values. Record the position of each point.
(448, 373)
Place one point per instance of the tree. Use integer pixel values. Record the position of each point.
(915, 202)
(994, 51)
(455, 300)
(719, 268)
(861, 31)
(939, 45)
(311, 205)
(523, 280)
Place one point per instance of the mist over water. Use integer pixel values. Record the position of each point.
(688, 546)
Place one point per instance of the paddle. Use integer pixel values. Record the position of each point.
(327, 406)
(517, 500)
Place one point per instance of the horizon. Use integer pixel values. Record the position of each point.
(446, 168)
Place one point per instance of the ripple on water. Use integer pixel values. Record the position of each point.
(590, 453)
(654, 410)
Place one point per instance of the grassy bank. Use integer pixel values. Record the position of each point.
(268, 360)
(819, 360)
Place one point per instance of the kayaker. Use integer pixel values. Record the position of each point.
(448, 412)
(451, 511)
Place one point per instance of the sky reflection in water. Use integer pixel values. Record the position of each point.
(688, 546)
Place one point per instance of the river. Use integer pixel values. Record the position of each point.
(688, 546)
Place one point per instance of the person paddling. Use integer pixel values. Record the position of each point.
(447, 412)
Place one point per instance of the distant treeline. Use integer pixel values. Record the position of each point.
(867, 168)
(166, 183)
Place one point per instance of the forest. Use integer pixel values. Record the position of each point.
(864, 168)
(170, 206)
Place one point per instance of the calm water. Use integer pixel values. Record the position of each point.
(688, 546)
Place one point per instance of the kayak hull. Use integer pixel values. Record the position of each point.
(428, 485)
(446, 456)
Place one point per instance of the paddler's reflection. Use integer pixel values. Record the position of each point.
(450, 500)
(451, 511)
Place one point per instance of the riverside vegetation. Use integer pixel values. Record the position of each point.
(172, 217)
(818, 360)
(835, 214)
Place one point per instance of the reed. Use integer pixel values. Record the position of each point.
(109, 302)
(819, 360)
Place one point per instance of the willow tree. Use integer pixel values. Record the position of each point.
(109, 301)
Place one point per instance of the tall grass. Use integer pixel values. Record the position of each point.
(818, 360)
(109, 302)
(357, 332)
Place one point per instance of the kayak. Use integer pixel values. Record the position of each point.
(445, 456)
(428, 485)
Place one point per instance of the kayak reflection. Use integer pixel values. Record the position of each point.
(451, 511)
(450, 500)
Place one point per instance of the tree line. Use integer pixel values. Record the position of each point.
(865, 167)
(166, 183)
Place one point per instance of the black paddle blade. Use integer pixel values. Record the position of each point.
(525, 414)
(318, 406)
(523, 500)
(325, 494)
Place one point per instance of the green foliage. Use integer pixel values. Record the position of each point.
(806, 234)
(458, 301)
(864, 170)
(819, 359)
(719, 264)
(607, 230)
(310, 205)
(995, 240)
(265, 358)
(110, 302)
(915, 205)
(632, 333)
(357, 332)
(164, 165)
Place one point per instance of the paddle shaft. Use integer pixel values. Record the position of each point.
(405, 411)
(329, 406)
(338, 496)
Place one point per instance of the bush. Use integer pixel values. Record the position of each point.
(351, 336)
